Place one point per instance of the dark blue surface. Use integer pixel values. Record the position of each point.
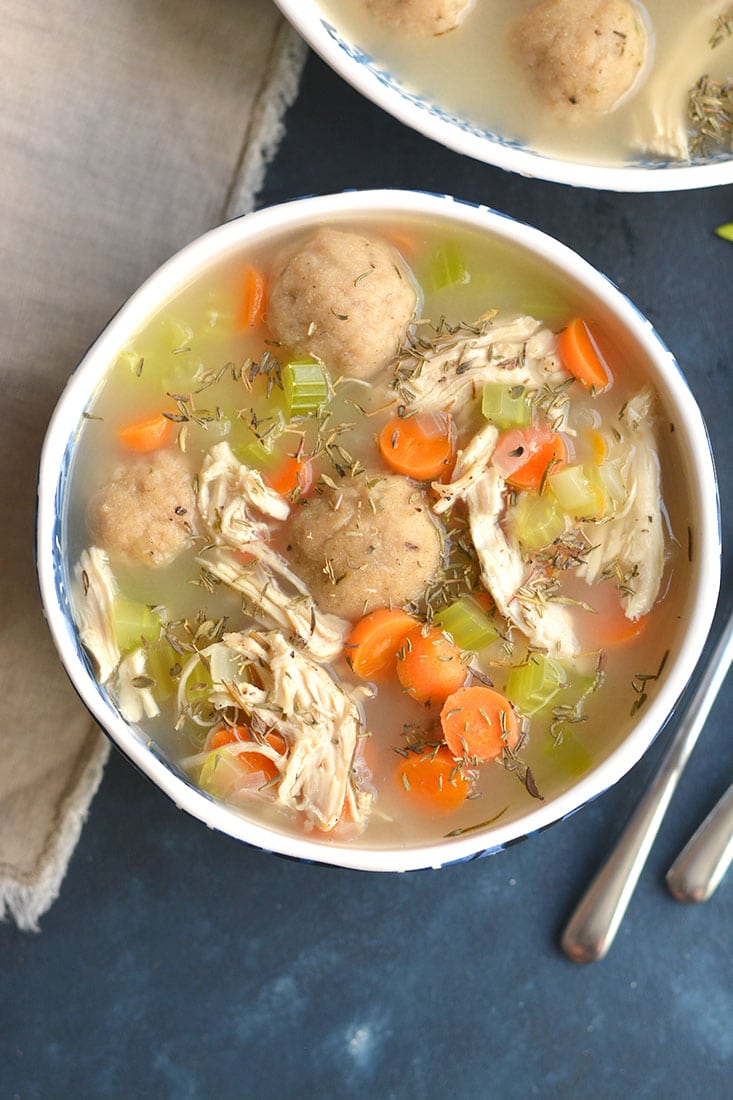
(179, 963)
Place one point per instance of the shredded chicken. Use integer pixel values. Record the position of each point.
(320, 633)
(299, 699)
(132, 688)
(521, 598)
(630, 546)
(519, 352)
(94, 594)
(229, 494)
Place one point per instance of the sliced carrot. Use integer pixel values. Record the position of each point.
(525, 456)
(478, 722)
(253, 299)
(372, 646)
(292, 473)
(429, 665)
(609, 627)
(251, 761)
(146, 435)
(432, 780)
(421, 446)
(579, 349)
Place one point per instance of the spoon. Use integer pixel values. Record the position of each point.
(593, 926)
(703, 861)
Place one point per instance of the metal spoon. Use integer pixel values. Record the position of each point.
(593, 926)
(703, 861)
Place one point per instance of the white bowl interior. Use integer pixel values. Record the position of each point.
(412, 107)
(702, 577)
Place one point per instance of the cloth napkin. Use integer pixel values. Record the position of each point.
(127, 128)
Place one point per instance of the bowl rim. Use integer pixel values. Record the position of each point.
(417, 111)
(178, 271)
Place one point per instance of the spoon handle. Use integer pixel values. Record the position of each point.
(593, 926)
(703, 861)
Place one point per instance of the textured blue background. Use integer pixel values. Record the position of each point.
(179, 963)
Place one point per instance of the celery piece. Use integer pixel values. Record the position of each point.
(506, 406)
(536, 520)
(578, 492)
(258, 450)
(468, 624)
(134, 624)
(533, 685)
(306, 387)
(161, 660)
(447, 267)
(567, 753)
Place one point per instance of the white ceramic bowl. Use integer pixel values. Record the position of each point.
(701, 578)
(412, 106)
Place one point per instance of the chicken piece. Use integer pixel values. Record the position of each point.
(318, 632)
(523, 598)
(343, 298)
(94, 591)
(581, 57)
(318, 720)
(420, 17)
(143, 515)
(229, 494)
(134, 697)
(367, 545)
(629, 547)
(516, 352)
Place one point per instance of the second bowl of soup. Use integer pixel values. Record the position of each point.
(379, 529)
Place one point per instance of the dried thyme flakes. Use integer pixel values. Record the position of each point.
(710, 111)
(640, 681)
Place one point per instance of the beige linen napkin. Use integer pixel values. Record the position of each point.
(126, 129)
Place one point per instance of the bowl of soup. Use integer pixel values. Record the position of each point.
(378, 529)
(613, 94)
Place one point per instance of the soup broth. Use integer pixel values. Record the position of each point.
(472, 73)
(211, 365)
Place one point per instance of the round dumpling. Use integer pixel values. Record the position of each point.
(581, 56)
(143, 515)
(362, 547)
(343, 298)
(420, 16)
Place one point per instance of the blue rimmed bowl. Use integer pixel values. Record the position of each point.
(697, 587)
(387, 87)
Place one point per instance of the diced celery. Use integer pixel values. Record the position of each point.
(567, 753)
(506, 406)
(578, 492)
(258, 449)
(306, 387)
(468, 624)
(536, 520)
(198, 684)
(160, 661)
(134, 623)
(533, 685)
(447, 267)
